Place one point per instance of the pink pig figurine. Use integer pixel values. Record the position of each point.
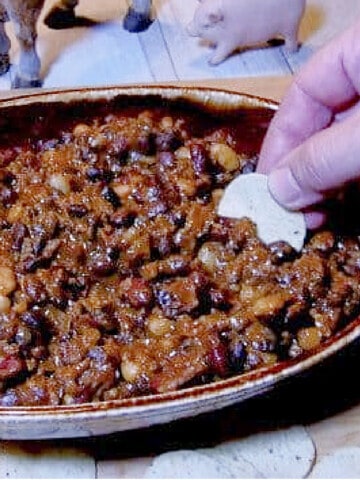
(230, 24)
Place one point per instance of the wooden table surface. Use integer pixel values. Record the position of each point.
(327, 402)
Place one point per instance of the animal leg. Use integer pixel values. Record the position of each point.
(138, 17)
(221, 52)
(291, 43)
(4, 43)
(24, 17)
(291, 38)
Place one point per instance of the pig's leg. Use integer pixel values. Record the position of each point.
(25, 19)
(291, 39)
(138, 17)
(62, 15)
(4, 43)
(222, 51)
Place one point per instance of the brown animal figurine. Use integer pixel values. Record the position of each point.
(25, 13)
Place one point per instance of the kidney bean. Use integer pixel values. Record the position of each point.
(110, 196)
(218, 360)
(31, 264)
(199, 158)
(7, 155)
(101, 263)
(282, 252)
(8, 196)
(77, 286)
(177, 296)
(95, 174)
(137, 291)
(77, 211)
(146, 144)
(11, 366)
(6, 177)
(166, 159)
(9, 399)
(19, 232)
(122, 219)
(33, 319)
(237, 355)
(23, 336)
(219, 299)
(352, 265)
(49, 144)
(167, 142)
(36, 291)
(119, 148)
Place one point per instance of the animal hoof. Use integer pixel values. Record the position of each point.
(4, 63)
(25, 83)
(275, 42)
(59, 18)
(136, 22)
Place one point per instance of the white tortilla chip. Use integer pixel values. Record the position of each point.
(249, 196)
(186, 464)
(342, 463)
(286, 453)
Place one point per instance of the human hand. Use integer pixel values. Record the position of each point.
(312, 146)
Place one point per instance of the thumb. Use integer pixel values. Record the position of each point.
(324, 162)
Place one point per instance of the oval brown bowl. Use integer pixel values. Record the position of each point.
(108, 417)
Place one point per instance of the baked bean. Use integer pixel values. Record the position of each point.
(5, 304)
(130, 370)
(60, 182)
(7, 280)
(224, 157)
(270, 305)
(309, 338)
(159, 325)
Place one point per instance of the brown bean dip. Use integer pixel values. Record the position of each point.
(118, 279)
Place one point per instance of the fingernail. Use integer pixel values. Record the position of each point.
(284, 188)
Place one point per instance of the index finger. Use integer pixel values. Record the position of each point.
(325, 85)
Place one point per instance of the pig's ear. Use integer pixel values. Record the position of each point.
(216, 17)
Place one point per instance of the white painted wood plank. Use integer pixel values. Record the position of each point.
(323, 20)
(117, 56)
(101, 55)
(173, 18)
(157, 56)
(107, 54)
(53, 47)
